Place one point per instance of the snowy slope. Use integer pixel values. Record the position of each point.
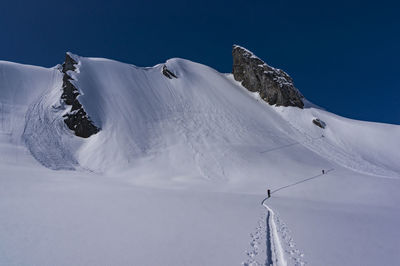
(21, 86)
(199, 117)
(205, 134)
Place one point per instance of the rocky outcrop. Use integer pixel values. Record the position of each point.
(274, 85)
(169, 74)
(69, 91)
(318, 122)
(76, 119)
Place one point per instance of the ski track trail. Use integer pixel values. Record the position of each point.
(275, 251)
(272, 244)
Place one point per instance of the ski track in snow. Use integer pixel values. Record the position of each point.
(275, 251)
(273, 239)
(302, 181)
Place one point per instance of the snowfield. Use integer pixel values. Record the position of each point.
(177, 174)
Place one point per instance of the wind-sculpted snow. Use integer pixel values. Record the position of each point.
(46, 134)
(31, 113)
(203, 118)
(198, 118)
(20, 86)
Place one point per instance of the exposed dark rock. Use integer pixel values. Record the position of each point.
(274, 85)
(319, 122)
(168, 73)
(69, 64)
(79, 122)
(69, 91)
(77, 119)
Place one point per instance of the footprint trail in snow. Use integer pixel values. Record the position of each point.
(272, 244)
(255, 255)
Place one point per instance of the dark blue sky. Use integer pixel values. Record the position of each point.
(342, 55)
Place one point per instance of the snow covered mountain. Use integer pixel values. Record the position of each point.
(205, 147)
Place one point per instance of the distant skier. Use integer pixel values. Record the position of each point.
(323, 171)
(269, 193)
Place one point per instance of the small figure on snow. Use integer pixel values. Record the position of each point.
(323, 171)
(269, 193)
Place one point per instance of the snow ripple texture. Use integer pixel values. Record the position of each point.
(45, 133)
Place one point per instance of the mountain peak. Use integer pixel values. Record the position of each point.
(275, 86)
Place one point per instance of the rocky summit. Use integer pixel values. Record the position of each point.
(274, 85)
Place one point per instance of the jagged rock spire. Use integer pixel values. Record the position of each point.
(274, 85)
(76, 119)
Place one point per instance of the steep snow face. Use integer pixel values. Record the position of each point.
(21, 86)
(200, 126)
(198, 118)
(209, 122)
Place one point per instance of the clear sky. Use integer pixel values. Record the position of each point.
(342, 55)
